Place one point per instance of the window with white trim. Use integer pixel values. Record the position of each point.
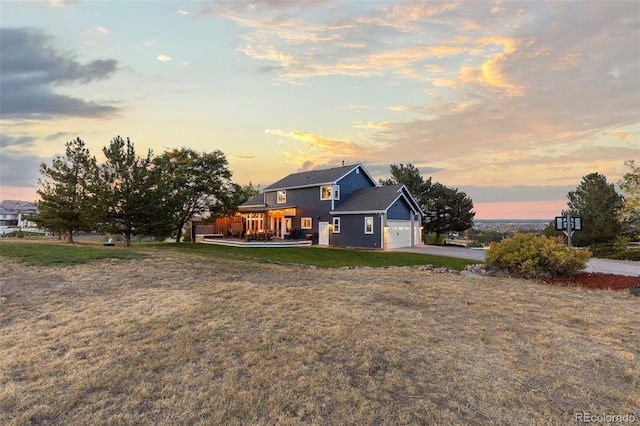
(255, 221)
(281, 197)
(305, 223)
(325, 192)
(336, 225)
(330, 192)
(368, 225)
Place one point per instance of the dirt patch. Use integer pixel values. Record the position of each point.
(598, 281)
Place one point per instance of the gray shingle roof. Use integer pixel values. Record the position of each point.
(378, 198)
(253, 204)
(312, 178)
(16, 205)
(371, 199)
(258, 200)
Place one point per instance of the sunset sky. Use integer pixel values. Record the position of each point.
(512, 102)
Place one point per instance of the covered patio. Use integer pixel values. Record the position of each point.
(253, 227)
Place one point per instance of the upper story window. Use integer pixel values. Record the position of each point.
(281, 197)
(330, 192)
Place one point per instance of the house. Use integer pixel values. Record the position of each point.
(341, 206)
(13, 215)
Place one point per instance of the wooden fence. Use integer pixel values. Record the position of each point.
(224, 227)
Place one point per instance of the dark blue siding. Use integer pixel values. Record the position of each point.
(308, 204)
(351, 183)
(271, 198)
(352, 232)
(400, 210)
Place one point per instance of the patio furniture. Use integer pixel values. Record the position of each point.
(236, 229)
(260, 235)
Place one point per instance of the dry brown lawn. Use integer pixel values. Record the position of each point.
(175, 339)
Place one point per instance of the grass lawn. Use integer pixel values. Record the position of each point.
(177, 338)
(55, 253)
(40, 253)
(322, 256)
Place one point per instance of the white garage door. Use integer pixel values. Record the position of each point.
(398, 233)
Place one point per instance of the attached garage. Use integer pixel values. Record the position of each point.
(398, 233)
(383, 217)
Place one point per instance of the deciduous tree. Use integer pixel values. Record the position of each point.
(194, 183)
(630, 184)
(237, 195)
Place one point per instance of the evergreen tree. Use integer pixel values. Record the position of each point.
(64, 194)
(194, 183)
(461, 210)
(410, 177)
(446, 209)
(128, 199)
(598, 203)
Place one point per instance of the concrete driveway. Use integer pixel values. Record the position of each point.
(604, 266)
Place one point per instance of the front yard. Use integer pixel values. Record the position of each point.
(184, 338)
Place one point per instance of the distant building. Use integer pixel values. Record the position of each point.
(13, 215)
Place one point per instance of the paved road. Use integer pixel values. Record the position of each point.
(605, 266)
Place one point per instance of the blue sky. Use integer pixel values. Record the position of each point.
(511, 102)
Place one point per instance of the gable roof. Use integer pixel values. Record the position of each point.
(316, 177)
(17, 205)
(256, 203)
(258, 200)
(376, 199)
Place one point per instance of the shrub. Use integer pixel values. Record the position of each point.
(530, 256)
(621, 243)
(604, 250)
(431, 239)
(627, 255)
(617, 249)
(475, 244)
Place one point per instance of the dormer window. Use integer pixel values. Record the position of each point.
(330, 192)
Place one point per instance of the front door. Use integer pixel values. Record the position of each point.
(287, 226)
(323, 233)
